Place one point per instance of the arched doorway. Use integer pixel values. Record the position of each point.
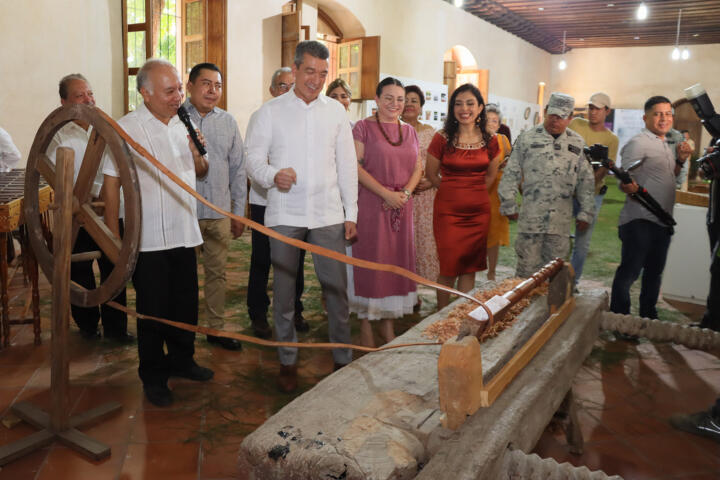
(460, 68)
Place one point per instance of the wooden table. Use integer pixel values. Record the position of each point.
(12, 186)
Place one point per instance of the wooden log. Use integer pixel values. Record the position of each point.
(380, 416)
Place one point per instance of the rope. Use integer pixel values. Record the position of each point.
(382, 267)
(258, 341)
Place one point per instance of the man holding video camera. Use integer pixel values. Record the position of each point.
(645, 239)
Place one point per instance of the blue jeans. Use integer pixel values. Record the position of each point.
(582, 239)
(644, 248)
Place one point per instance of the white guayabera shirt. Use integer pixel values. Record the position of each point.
(169, 218)
(316, 141)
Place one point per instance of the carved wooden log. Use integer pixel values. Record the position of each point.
(379, 417)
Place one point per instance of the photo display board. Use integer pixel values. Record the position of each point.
(517, 114)
(627, 123)
(436, 101)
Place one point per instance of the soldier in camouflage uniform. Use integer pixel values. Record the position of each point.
(547, 164)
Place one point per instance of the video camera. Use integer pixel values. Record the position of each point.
(598, 154)
(709, 165)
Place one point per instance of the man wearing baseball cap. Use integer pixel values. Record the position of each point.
(548, 165)
(593, 131)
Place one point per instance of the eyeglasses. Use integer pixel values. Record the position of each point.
(284, 86)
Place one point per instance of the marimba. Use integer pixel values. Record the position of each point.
(12, 185)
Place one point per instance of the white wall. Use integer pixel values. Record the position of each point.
(41, 44)
(630, 75)
(414, 37)
(415, 34)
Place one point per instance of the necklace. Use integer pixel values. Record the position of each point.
(382, 130)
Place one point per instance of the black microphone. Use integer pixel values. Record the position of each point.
(185, 118)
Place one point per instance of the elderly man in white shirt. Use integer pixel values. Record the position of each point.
(165, 276)
(300, 148)
(75, 89)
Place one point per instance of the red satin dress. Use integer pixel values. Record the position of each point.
(461, 215)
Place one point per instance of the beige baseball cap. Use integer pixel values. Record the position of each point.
(560, 104)
(600, 100)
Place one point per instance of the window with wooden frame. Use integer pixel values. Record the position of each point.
(184, 32)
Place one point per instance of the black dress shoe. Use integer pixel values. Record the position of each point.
(260, 327)
(194, 372)
(226, 343)
(89, 334)
(158, 395)
(124, 338)
(300, 324)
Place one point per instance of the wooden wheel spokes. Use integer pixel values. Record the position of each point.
(121, 252)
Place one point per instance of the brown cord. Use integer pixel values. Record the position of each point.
(258, 341)
(382, 267)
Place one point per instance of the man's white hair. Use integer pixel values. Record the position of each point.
(144, 72)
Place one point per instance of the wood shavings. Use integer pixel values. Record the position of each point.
(449, 327)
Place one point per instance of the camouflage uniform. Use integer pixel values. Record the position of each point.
(549, 172)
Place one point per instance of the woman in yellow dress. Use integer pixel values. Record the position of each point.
(499, 233)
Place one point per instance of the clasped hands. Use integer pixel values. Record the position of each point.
(394, 200)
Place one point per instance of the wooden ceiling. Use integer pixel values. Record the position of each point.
(601, 23)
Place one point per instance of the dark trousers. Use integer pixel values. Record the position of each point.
(114, 321)
(644, 248)
(711, 319)
(257, 297)
(166, 286)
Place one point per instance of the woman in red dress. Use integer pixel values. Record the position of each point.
(462, 162)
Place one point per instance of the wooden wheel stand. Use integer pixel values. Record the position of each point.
(58, 425)
(74, 209)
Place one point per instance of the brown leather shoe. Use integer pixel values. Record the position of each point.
(287, 380)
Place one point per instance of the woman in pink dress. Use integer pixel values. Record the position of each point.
(388, 172)
(426, 259)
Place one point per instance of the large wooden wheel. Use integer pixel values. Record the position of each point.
(121, 252)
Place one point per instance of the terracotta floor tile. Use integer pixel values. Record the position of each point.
(25, 354)
(16, 375)
(672, 455)
(41, 397)
(616, 458)
(591, 428)
(26, 467)
(7, 396)
(627, 420)
(155, 461)
(165, 426)
(700, 476)
(220, 461)
(113, 429)
(66, 464)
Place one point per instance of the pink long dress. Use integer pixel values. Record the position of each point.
(384, 236)
(426, 256)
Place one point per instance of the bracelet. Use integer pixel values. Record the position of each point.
(406, 192)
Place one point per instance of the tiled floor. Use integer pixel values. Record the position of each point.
(626, 393)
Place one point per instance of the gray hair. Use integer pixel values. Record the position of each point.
(65, 83)
(144, 72)
(278, 72)
(493, 108)
(312, 48)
